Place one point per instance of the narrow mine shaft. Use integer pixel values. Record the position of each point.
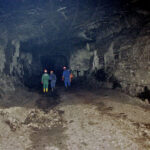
(105, 47)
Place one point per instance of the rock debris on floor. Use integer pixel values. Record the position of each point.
(80, 120)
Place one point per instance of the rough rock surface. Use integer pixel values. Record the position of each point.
(104, 119)
(90, 35)
(121, 48)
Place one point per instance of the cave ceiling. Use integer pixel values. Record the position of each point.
(58, 23)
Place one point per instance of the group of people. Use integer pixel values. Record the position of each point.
(66, 77)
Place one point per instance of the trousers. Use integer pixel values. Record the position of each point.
(53, 83)
(67, 82)
(45, 85)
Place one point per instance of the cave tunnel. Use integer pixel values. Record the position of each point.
(55, 63)
(91, 43)
(99, 45)
(106, 46)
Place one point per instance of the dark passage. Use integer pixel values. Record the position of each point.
(49, 62)
(145, 95)
(55, 63)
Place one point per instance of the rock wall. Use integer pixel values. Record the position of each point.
(12, 65)
(120, 46)
(134, 72)
(80, 60)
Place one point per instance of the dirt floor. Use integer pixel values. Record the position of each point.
(74, 120)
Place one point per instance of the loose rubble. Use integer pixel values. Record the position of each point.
(105, 119)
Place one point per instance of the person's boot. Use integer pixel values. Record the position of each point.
(44, 90)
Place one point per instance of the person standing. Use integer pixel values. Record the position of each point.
(66, 77)
(53, 80)
(45, 81)
(71, 76)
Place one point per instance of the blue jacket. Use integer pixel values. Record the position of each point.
(53, 77)
(66, 74)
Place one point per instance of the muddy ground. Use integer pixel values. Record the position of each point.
(74, 120)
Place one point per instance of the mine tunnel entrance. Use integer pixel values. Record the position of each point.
(55, 63)
(49, 62)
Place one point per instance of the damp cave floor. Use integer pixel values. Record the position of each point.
(75, 119)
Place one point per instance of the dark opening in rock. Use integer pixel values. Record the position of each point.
(55, 63)
(145, 95)
(101, 75)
